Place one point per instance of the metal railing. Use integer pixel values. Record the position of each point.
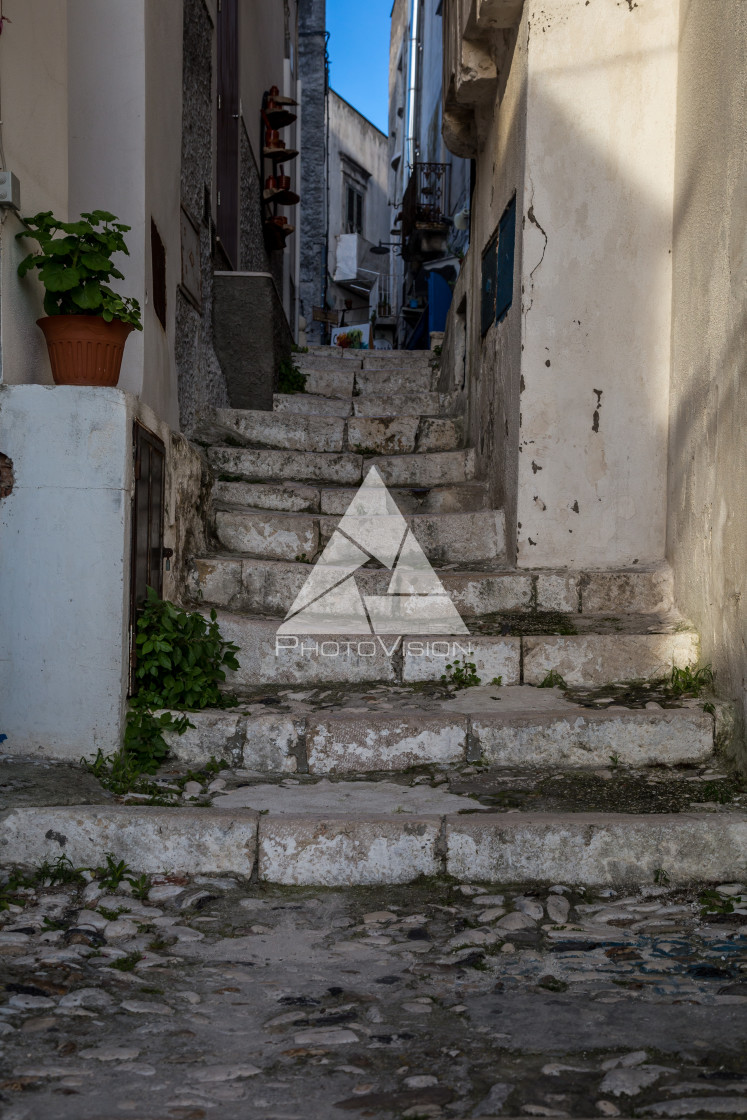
(426, 201)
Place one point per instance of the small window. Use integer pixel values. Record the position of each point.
(505, 272)
(489, 278)
(353, 210)
(158, 260)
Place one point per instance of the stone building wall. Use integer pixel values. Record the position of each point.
(201, 381)
(313, 222)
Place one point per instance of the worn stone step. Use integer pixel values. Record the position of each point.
(405, 404)
(398, 359)
(399, 435)
(290, 497)
(395, 728)
(269, 658)
(309, 404)
(445, 538)
(403, 435)
(430, 468)
(231, 463)
(331, 382)
(582, 659)
(380, 379)
(460, 497)
(331, 358)
(377, 359)
(266, 587)
(268, 534)
(590, 659)
(451, 538)
(347, 834)
(282, 432)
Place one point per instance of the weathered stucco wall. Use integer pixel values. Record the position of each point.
(65, 555)
(352, 137)
(707, 526)
(493, 363)
(596, 281)
(163, 98)
(35, 143)
(106, 152)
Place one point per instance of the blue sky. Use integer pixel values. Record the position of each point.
(359, 54)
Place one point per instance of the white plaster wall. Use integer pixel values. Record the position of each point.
(163, 153)
(63, 555)
(707, 530)
(493, 362)
(33, 84)
(65, 561)
(596, 281)
(353, 135)
(107, 92)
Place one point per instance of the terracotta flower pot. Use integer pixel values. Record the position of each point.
(85, 349)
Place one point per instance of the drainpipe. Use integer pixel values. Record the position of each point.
(412, 90)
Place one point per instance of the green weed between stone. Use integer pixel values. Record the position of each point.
(290, 379)
(461, 675)
(553, 680)
(181, 662)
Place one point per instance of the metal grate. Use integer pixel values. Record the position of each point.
(146, 564)
(426, 200)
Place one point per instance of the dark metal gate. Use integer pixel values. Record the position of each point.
(146, 566)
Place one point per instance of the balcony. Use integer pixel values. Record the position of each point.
(425, 221)
(474, 44)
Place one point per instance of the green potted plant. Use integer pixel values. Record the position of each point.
(87, 324)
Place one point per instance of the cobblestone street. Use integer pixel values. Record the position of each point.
(212, 997)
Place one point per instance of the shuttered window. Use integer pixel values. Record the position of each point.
(489, 278)
(505, 272)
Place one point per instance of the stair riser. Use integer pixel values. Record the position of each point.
(333, 357)
(584, 849)
(442, 469)
(267, 658)
(595, 849)
(376, 743)
(401, 435)
(445, 538)
(336, 383)
(303, 404)
(259, 466)
(425, 470)
(470, 497)
(598, 659)
(279, 536)
(285, 433)
(466, 497)
(405, 404)
(281, 498)
(263, 588)
(459, 538)
(377, 382)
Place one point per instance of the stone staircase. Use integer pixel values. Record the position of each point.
(350, 758)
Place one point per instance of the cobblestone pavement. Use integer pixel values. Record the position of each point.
(215, 998)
